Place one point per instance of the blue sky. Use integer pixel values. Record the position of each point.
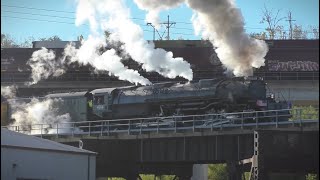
(22, 23)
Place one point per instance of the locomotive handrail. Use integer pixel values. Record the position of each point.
(171, 123)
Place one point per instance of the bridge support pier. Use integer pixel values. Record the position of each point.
(133, 177)
(234, 170)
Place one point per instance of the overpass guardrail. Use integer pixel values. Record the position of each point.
(15, 77)
(174, 124)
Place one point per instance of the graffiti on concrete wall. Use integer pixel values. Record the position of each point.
(275, 65)
(5, 62)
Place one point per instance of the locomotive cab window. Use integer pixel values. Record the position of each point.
(97, 100)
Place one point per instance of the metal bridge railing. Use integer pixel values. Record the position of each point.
(174, 124)
(198, 74)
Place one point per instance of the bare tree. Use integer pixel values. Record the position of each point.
(8, 42)
(280, 32)
(80, 38)
(272, 21)
(315, 31)
(261, 35)
(299, 33)
(52, 38)
(180, 38)
(27, 43)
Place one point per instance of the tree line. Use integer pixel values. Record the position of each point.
(8, 42)
(274, 30)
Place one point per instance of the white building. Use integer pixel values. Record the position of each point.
(28, 157)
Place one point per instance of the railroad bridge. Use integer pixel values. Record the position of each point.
(171, 145)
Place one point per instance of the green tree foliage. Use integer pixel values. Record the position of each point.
(307, 112)
(217, 172)
(311, 177)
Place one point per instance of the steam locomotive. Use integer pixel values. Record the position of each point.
(167, 99)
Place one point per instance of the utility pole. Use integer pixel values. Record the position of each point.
(290, 23)
(168, 24)
(154, 32)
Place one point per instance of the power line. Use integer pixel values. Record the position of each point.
(42, 20)
(24, 7)
(65, 17)
(51, 10)
(63, 22)
(37, 19)
(42, 9)
(75, 18)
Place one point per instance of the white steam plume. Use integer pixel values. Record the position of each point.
(8, 91)
(44, 65)
(45, 111)
(222, 22)
(124, 30)
(154, 7)
(107, 61)
(85, 12)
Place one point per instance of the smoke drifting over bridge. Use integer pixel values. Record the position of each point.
(221, 22)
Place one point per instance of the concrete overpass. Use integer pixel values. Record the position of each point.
(298, 92)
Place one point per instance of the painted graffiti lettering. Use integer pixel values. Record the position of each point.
(275, 65)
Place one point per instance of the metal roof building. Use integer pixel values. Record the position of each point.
(29, 157)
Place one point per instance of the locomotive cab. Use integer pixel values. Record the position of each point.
(102, 102)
